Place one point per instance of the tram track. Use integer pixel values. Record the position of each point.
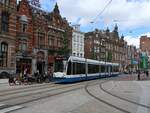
(34, 88)
(113, 95)
(27, 89)
(127, 100)
(23, 99)
(104, 101)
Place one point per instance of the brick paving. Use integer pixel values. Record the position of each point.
(133, 77)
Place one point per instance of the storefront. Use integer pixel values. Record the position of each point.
(22, 64)
(40, 62)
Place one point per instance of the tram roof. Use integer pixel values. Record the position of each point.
(82, 60)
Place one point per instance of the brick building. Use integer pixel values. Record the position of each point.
(8, 10)
(145, 44)
(106, 46)
(31, 38)
(52, 38)
(24, 38)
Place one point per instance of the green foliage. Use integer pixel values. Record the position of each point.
(64, 50)
(109, 57)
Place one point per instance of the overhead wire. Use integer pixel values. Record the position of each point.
(101, 12)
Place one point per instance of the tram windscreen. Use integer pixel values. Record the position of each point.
(60, 66)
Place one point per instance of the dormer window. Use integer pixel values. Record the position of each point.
(24, 23)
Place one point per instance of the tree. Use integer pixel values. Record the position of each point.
(109, 57)
(64, 50)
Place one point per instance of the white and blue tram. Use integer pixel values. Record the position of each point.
(78, 69)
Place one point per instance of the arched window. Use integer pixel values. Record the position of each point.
(5, 22)
(24, 23)
(4, 54)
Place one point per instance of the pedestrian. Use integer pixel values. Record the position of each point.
(139, 74)
(147, 73)
(50, 74)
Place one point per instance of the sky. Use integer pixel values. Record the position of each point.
(131, 16)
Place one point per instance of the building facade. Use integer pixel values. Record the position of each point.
(77, 42)
(94, 45)
(106, 46)
(31, 38)
(132, 59)
(8, 9)
(145, 44)
(24, 38)
(52, 39)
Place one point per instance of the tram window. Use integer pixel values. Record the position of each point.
(74, 68)
(107, 68)
(111, 69)
(102, 69)
(69, 68)
(59, 66)
(80, 68)
(115, 69)
(93, 68)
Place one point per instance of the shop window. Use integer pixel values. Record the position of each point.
(3, 54)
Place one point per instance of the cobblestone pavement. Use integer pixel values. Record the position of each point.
(127, 87)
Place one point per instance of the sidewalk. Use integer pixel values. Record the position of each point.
(133, 90)
(3, 81)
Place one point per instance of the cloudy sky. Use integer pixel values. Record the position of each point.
(132, 16)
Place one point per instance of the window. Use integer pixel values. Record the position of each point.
(96, 35)
(58, 43)
(3, 55)
(23, 45)
(50, 41)
(6, 2)
(41, 40)
(5, 22)
(24, 27)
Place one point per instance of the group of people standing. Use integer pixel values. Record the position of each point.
(25, 77)
(45, 77)
(145, 72)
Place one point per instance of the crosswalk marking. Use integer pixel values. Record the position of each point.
(9, 109)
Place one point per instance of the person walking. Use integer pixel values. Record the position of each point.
(139, 74)
(50, 74)
(147, 73)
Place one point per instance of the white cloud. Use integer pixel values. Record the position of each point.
(135, 40)
(132, 41)
(133, 14)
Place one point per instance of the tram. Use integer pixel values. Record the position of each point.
(76, 69)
